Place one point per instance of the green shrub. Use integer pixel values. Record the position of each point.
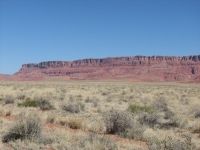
(136, 108)
(27, 128)
(1, 99)
(42, 103)
(28, 103)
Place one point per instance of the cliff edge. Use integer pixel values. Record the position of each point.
(137, 68)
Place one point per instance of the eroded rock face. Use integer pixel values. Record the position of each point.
(139, 68)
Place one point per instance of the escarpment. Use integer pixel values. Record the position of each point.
(138, 68)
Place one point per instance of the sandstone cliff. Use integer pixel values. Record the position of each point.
(139, 68)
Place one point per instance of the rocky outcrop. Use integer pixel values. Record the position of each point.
(140, 68)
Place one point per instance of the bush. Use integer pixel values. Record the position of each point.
(172, 119)
(74, 108)
(9, 99)
(197, 114)
(105, 93)
(160, 104)
(134, 132)
(96, 142)
(21, 96)
(28, 103)
(27, 128)
(95, 103)
(50, 119)
(171, 143)
(148, 119)
(136, 108)
(88, 100)
(197, 129)
(121, 123)
(75, 123)
(63, 122)
(63, 90)
(44, 104)
(117, 121)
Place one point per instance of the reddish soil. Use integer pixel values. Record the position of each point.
(113, 137)
(9, 118)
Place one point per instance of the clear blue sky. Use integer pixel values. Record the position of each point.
(32, 31)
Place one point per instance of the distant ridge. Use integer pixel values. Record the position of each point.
(135, 68)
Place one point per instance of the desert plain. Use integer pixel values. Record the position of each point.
(99, 115)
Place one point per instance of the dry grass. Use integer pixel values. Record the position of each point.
(144, 112)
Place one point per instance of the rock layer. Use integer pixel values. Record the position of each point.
(138, 68)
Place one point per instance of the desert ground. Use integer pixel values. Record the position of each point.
(99, 115)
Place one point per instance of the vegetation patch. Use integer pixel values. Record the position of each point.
(75, 123)
(9, 99)
(74, 108)
(27, 128)
(97, 142)
(28, 103)
(136, 108)
(121, 123)
(42, 103)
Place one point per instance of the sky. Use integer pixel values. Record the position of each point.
(32, 31)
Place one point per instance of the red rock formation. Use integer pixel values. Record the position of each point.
(140, 68)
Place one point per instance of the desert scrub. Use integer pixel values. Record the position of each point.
(136, 108)
(117, 121)
(1, 99)
(9, 99)
(44, 104)
(41, 103)
(171, 143)
(171, 119)
(63, 122)
(75, 123)
(105, 93)
(122, 123)
(197, 129)
(97, 142)
(148, 119)
(197, 114)
(27, 128)
(21, 96)
(89, 100)
(51, 118)
(28, 103)
(74, 108)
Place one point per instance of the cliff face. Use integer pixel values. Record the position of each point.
(142, 68)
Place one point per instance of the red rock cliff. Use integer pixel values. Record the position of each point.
(143, 68)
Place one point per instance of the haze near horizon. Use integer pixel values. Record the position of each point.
(36, 31)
